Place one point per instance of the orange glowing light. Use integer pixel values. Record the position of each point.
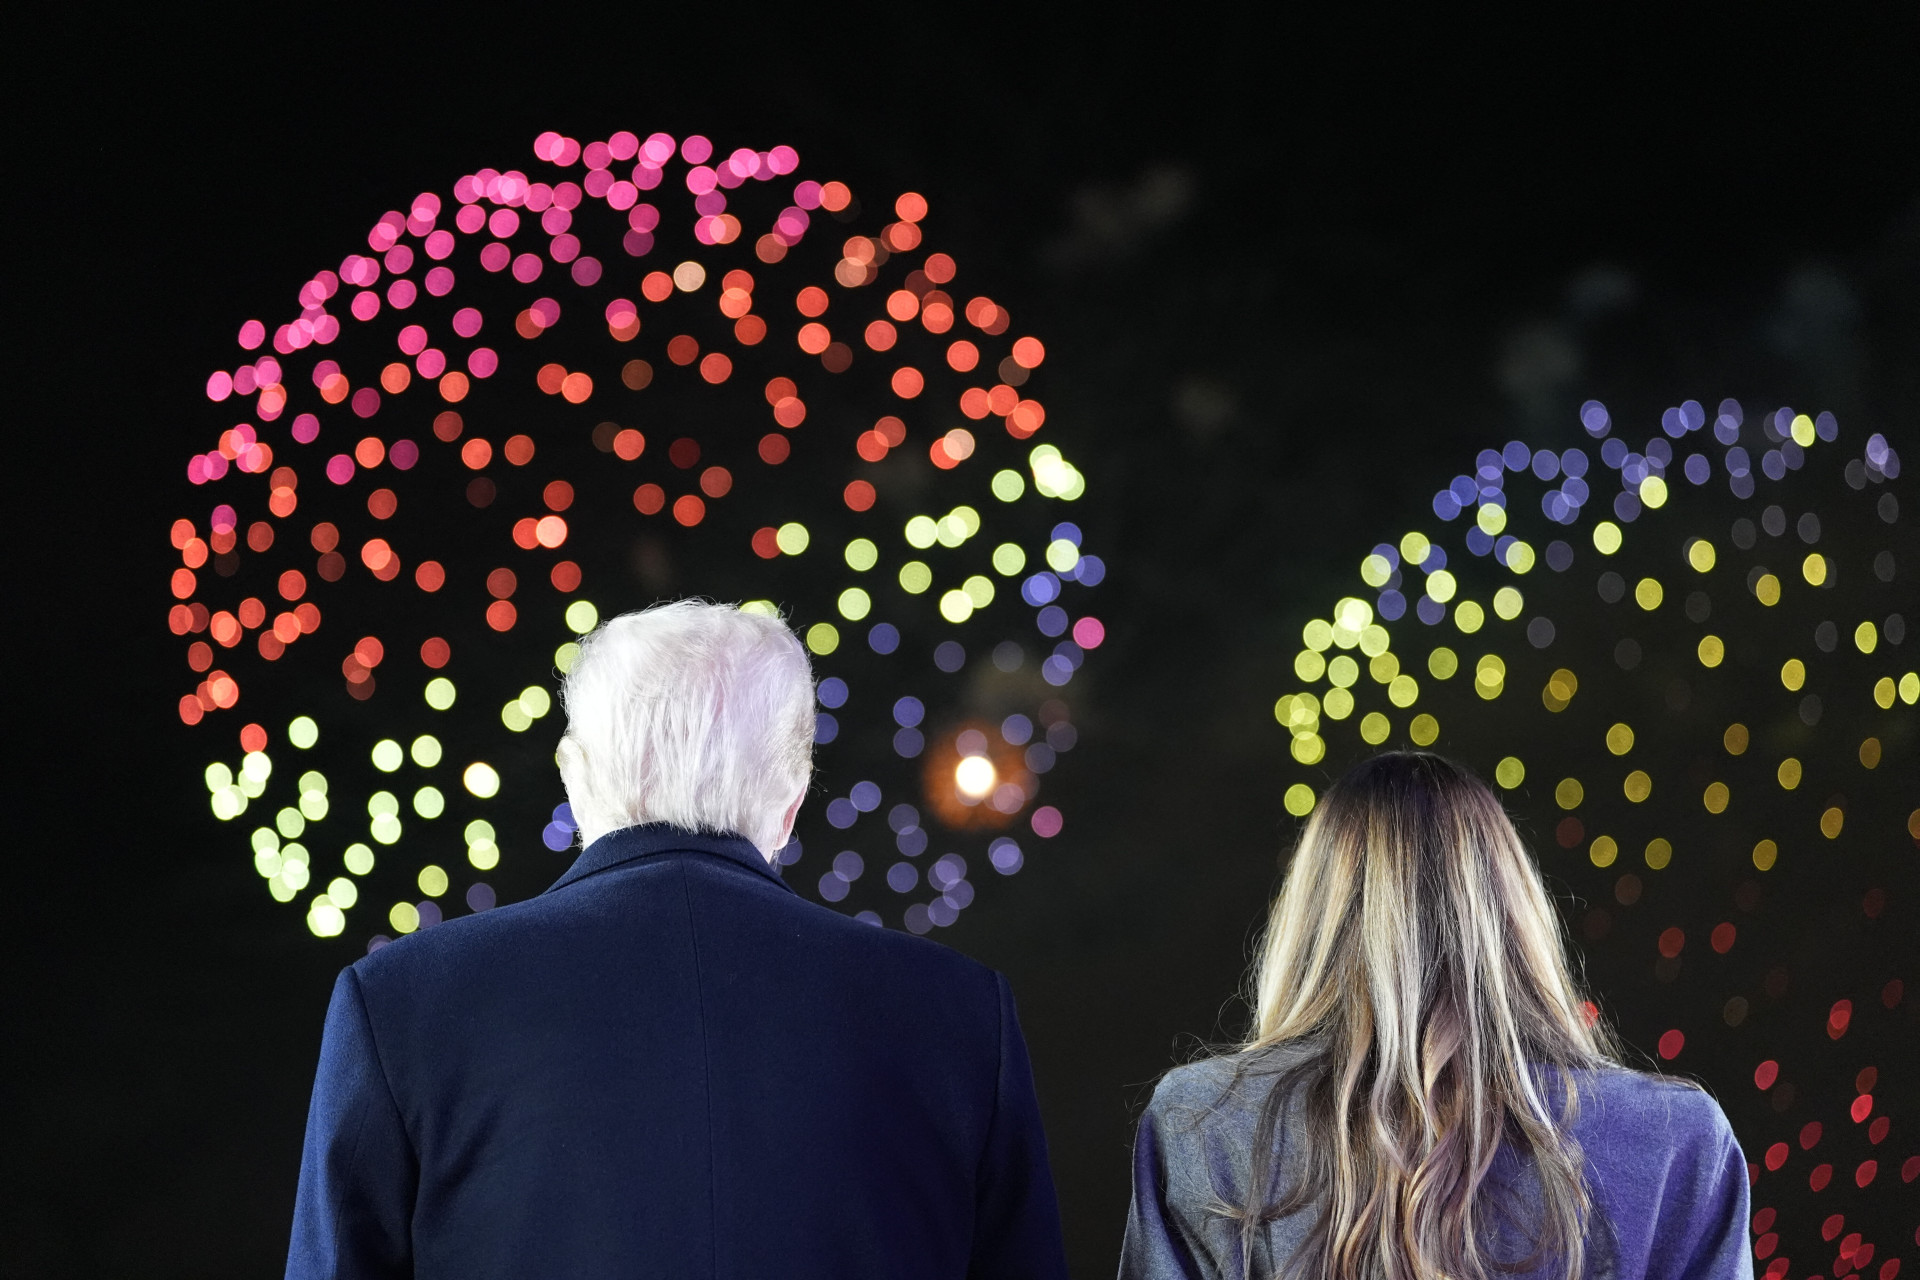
(182, 584)
(369, 452)
(962, 356)
(716, 481)
(689, 510)
(453, 387)
(907, 382)
(1028, 353)
(629, 445)
(749, 331)
(476, 453)
(376, 554)
(558, 495)
(911, 206)
(881, 336)
(550, 531)
(501, 615)
(811, 301)
(382, 503)
(716, 368)
(395, 377)
(813, 338)
(575, 388)
(519, 450)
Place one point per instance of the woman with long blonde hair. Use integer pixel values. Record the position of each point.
(1424, 1093)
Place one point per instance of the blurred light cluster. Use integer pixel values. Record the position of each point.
(1685, 665)
(640, 367)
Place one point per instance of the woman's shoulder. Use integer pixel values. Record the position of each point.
(1621, 1109)
(1227, 1088)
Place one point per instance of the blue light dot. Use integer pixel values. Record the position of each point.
(841, 813)
(1090, 571)
(1614, 452)
(832, 887)
(848, 865)
(825, 728)
(480, 897)
(1445, 505)
(1546, 465)
(1041, 588)
(1429, 610)
(918, 919)
(1039, 758)
(1067, 530)
(950, 656)
(1516, 455)
(912, 842)
(1574, 462)
(790, 852)
(1464, 489)
(1693, 415)
(1479, 541)
(556, 837)
(908, 743)
(1056, 670)
(903, 877)
(884, 637)
(1626, 507)
(832, 692)
(1698, 469)
(903, 816)
(865, 796)
(1593, 416)
(909, 711)
(1051, 620)
(1005, 856)
(1391, 605)
(1017, 730)
(869, 917)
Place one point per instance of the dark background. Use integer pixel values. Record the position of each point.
(1252, 246)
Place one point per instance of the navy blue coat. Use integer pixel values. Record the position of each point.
(669, 1064)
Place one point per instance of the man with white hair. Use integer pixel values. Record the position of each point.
(669, 1064)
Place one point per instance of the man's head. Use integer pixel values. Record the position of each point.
(695, 714)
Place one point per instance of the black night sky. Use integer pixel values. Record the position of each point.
(1292, 277)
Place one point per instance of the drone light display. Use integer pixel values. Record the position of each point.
(1695, 692)
(540, 398)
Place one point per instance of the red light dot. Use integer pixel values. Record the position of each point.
(1862, 1107)
(859, 495)
(870, 446)
(716, 481)
(1765, 1074)
(749, 331)
(1776, 1155)
(502, 583)
(814, 338)
(1878, 1130)
(253, 738)
(382, 503)
(476, 453)
(435, 652)
(790, 412)
(501, 615)
(910, 207)
(558, 495)
(1723, 936)
(684, 349)
(716, 368)
(429, 576)
(811, 301)
(183, 583)
(577, 388)
(565, 576)
(766, 543)
(1671, 1043)
(370, 651)
(190, 709)
(1672, 941)
(293, 584)
(689, 510)
(1831, 1227)
(774, 449)
(519, 450)
(1866, 1080)
(881, 336)
(1909, 1170)
(779, 389)
(1028, 353)
(939, 268)
(1809, 1135)
(907, 382)
(648, 499)
(1821, 1175)
(629, 445)
(962, 356)
(549, 378)
(526, 533)
(1866, 1172)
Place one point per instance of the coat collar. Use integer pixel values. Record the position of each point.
(653, 839)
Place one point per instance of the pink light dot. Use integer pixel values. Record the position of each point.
(283, 340)
(556, 220)
(366, 305)
(426, 206)
(466, 322)
(623, 145)
(1672, 1042)
(432, 362)
(568, 195)
(323, 370)
(440, 281)
(700, 180)
(495, 256)
(586, 271)
(1047, 822)
(366, 402)
(744, 161)
(197, 469)
(503, 223)
(658, 148)
(470, 218)
(1089, 632)
(783, 160)
(399, 259)
(696, 150)
(252, 334)
(569, 152)
(401, 293)
(539, 198)
(223, 519)
(439, 244)
(481, 362)
(527, 268)
(220, 385)
(638, 244)
(546, 310)
(404, 454)
(340, 468)
(621, 195)
(807, 194)
(245, 380)
(643, 217)
(644, 178)
(727, 178)
(597, 182)
(306, 428)
(596, 155)
(266, 370)
(565, 247)
(546, 146)
(413, 339)
(326, 329)
(466, 191)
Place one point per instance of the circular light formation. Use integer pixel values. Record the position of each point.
(1693, 707)
(639, 367)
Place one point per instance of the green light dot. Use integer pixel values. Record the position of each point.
(291, 823)
(922, 532)
(979, 589)
(792, 538)
(582, 617)
(440, 693)
(1062, 555)
(405, 917)
(1009, 559)
(426, 751)
(385, 828)
(313, 780)
(303, 732)
(565, 656)
(1299, 800)
(1510, 773)
(267, 862)
(823, 638)
(484, 855)
(915, 577)
(515, 717)
(387, 755)
(477, 830)
(855, 604)
(313, 805)
(1442, 663)
(429, 803)
(1492, 518)
(433, 881)
(219, 777)
(343, 892)
(1008, 485)
(862, 555)
(359, 858)
(266, 839)
(325, 918)
(536, 700)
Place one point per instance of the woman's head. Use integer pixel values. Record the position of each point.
(1414, 948)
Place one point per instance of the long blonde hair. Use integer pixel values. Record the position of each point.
(1414, 954)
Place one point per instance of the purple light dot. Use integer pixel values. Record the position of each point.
(832, 887)
(884, 637)
(1672, 423)
(917, 919)
(1039, 589)
(1047, 822)
(556, 836)
(848, 865)
(909, 711)
(1090, 571)
(908, 743)
(1516, 455)
(1016, 730)
(1546, 464)
(1056, 670)
(865, 796)
(869, 917)
(825, 728)
(1626, 507)
(1051, 620)
(1593, 416)
(586, 271)
(1773, 465)
(903, 817)
(1391, 605)
(1826, 426)
(1479, 541)
(1445, 505)
(1005, 856)
(841, 813)
(950, 655)
(903, 877)
(789, 853)
(1429, 610)
(942, 912)
(912, 842)
(1692, 415)
(376, 942)
(429, 913)
(832, 692)
(480, 896)
(959, 895)
(1698, 469)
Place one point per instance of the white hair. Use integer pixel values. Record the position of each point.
(691, 713)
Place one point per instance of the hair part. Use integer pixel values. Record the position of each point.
(1414, 955)
(690, 713)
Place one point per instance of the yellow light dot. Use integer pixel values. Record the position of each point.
(1507, 603)
(1299, 800)
(758, 608)
(1700, 555)
(1558, 692)
(515, 717)
(484, 855)
(1870, 753)
(1793, 673)
(1883, 692)
(1343, 671)
(915, 577)
(1490, 676)
(862, 555)
(1866, 637)
(1062, 555)
(979, 589)
(1831, 821)
(1712, 651)
(1414, 547)
(1442, 663)
(325, 918)
(426, 751)
(1403, 691)
(1789, 773)
(1910, 688)
(1374, 728)
(823, 638)
(582, 617)
(1008, 485)
(1569, 793)
(1716, 797)
(1309, 749)
(433, 881)
(1765, 854)
(1383, 667)
(343, 892)
(1008, 559)
(955, 607)
(1606, 538)
(1492, 518)
(1441, 585)
(1603, 851)
(1373, 640)
(1339, 704)
(1520, 557)
(792, 538)
(1510, 772)
(1803, 433)
(855, 604)
(1648, 593)
(1735, 739)
(536, 700)
(478, 829)
(1317, 635)
(1766, 589)
(358, 858)
(481, 779)
(1424, 730)
(1308, 665)
(290, 823)
(429, 803)
(405, 917)
(1353, 614)
(1659, 853)
(1653, 492)
(569, 653)
(387, 755)
(1620, 739)
(1375, 570)
(383, 803)
(1814, 569)
(1638, 786)
(303, 732)
(1469, 616)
